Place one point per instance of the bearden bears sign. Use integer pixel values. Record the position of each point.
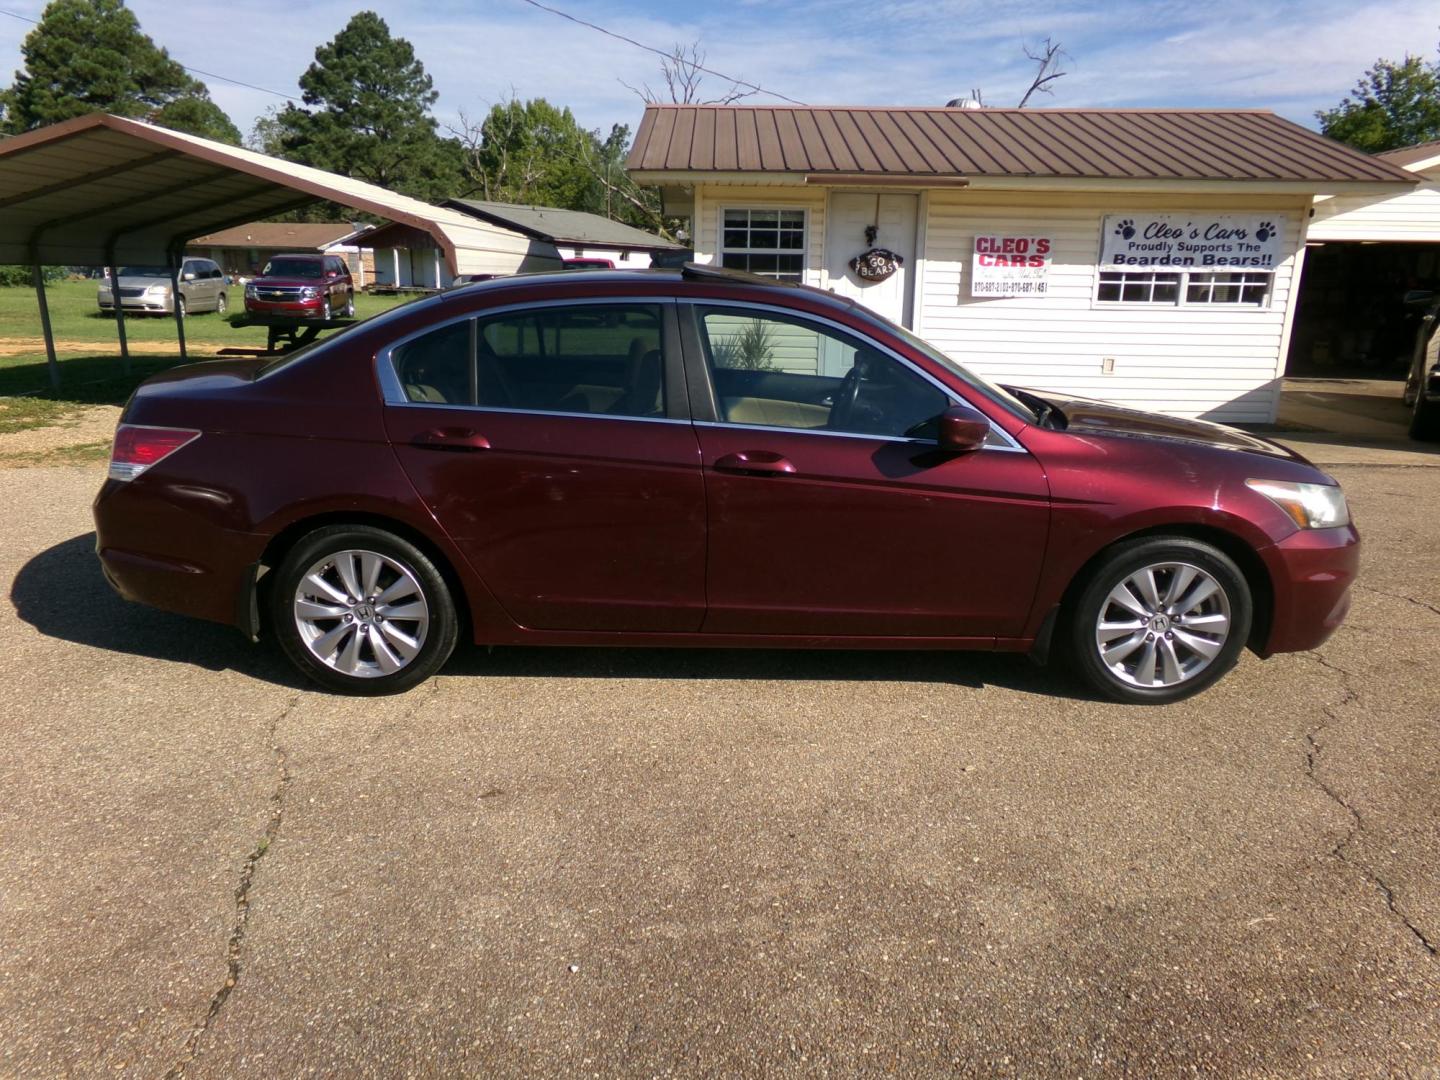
(1010, 265)
(1251, 242)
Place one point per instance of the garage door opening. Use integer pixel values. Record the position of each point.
(1351, 320)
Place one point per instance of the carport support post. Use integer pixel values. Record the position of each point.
(175, 303)
(51, 365)
(119, 316)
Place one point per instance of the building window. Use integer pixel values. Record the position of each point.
(766, 242)
(1154, 287)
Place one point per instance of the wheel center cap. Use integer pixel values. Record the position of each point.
(364, 612)
(1160, 624)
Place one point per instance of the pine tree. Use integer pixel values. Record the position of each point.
(89, 56)
(367, 115)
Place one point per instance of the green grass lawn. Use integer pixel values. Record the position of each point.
(88, 350)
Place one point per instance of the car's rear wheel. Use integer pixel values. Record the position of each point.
(1159, 619)
(363, 611)
(221, 304)
(350, 305)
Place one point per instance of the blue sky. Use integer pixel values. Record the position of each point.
(1290, 57)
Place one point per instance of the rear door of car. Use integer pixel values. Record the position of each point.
(831, 510)
(552, 443)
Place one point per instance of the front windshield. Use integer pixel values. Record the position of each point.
(145, 271)
(997, 394)
(301, 268)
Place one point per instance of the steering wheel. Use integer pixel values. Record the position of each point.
(846, 398)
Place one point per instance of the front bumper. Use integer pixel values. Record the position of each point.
(1312, 572)
(304, 309)
(141, 305)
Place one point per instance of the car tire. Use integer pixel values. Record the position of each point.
(361, 647)
(350, 305)
(180, 306)
(325, 309)
(1424, 417)
(1158, 619)
(221, 304)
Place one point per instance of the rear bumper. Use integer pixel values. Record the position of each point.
(1312, 572)
(157, 553)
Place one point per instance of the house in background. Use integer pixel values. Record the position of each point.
(575, 233)
(406, 258)
(244, 250)
(1144, 256)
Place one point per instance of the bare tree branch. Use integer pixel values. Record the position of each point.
(683, 71)
(1047, 59)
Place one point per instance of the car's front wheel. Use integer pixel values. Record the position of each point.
(1159, 619)
(1424, 416)
(363, 611)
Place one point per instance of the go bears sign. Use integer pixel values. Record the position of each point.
(1192, 241)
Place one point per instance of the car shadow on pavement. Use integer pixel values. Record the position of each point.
(62, 593)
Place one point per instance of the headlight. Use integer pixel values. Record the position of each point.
(309, 293)
(1311, 506)
(249, 292)
(158, 290)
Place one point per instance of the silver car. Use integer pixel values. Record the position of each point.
(145, 290)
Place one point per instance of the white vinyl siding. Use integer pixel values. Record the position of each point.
(1217, 361)
(1407, 216)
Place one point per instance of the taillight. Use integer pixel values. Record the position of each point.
(137, 447)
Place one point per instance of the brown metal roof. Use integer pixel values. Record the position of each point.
(1407, 156)
(1118, 144)
(296, 235)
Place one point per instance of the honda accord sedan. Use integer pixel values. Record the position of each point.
(695, 457)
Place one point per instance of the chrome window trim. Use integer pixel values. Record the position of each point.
(536, 412)
(393, 392)
(1009, 444)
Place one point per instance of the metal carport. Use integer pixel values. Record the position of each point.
(103, 190)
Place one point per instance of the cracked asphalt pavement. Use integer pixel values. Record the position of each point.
(606, 862)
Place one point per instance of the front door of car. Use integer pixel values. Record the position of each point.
(551, 444)
(832, 510)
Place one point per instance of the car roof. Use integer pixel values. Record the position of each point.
(692, 279)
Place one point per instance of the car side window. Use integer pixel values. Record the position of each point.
(604, 359)
(773, 370)
(434, 368)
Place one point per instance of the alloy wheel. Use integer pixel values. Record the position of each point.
(1162, 625)
(361, 613)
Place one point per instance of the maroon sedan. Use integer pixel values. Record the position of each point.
(693, 458)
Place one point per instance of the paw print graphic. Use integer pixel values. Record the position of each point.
(1265, 231)
(1126, 229)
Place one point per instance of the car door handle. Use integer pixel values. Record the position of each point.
(453, 439)
(756, 462)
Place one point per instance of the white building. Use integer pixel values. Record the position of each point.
(1148, 257)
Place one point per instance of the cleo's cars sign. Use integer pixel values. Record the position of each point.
(1010, 265)
(1192, 241)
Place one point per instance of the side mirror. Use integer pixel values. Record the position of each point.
(189, 276)
(962, 430)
